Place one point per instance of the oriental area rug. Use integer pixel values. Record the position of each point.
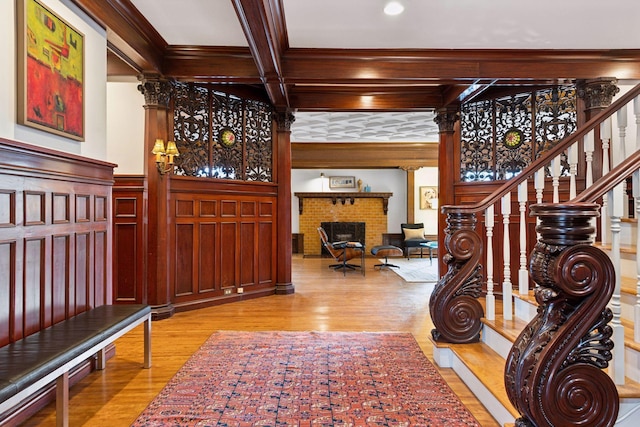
(307, 379)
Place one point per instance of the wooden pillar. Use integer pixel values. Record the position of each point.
(446, 118)
(157, 93)
(283, 175)
(411, 194)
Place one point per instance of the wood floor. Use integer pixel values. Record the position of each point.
(324, 300)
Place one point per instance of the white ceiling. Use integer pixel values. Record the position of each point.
(441, 24)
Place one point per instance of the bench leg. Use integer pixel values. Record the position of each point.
(147, 343)
(62, 400)
(101, 363)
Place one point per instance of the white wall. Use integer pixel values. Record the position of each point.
(95, 78)
(381, 181)
(125, 127)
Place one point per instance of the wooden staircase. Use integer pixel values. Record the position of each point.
(481, 365)
(508, 310)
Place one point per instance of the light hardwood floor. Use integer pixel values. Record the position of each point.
(324, 300)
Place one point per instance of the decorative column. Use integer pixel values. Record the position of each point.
(596, 95)
(446, 119)
(157, 93)
(284, 120)
(554, 372)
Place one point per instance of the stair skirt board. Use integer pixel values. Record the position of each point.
(483, 394)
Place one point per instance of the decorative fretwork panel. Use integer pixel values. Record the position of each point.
(513, 135)
(476, 134)
(220, 135)
(500, 138)
(258, 142)
(555, 119)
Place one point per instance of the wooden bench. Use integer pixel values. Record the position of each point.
(31, 363)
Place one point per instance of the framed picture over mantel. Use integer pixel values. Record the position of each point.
(342, 182)
(50, 72)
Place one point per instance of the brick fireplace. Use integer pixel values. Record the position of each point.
(367, 208)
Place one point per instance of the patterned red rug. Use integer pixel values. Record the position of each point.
(307, 378)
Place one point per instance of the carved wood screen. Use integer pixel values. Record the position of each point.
(502, 136)
(220, 135)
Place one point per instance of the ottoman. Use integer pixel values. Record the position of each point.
(385, 251)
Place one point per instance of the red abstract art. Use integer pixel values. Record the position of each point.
(51, 72)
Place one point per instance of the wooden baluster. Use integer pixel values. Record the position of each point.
(620, 152)
(523, 273)
(572, 155)
(605, 136)
(538, 183)
(588, 154)
(507, 290)
(556, 169)
(489, 222)
(615, 208)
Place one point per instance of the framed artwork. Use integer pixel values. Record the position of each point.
(342, 182)
(50, 72)
(428, 197)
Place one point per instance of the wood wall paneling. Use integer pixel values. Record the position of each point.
(223, 238)
(55, 237)
(129, 195)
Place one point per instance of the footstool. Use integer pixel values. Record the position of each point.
(386, 251)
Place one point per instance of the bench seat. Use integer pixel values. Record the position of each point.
(31, 363)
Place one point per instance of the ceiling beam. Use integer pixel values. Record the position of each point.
(331, 98)
(263, 24)
(363, 155)
(128, 32)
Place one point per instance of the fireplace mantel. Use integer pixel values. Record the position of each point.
(344, 197)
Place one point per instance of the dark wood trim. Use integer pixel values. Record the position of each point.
(128, 31)
(370, 155)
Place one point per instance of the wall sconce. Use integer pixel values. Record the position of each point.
(164, 157)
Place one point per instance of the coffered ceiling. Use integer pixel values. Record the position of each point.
(345, 60)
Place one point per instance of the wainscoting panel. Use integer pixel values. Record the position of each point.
(55, 237)
(129, 244)
(223, 239)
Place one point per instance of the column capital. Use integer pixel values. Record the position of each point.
(597, 93)
(156, 90)
(284, 119)
(446, 119)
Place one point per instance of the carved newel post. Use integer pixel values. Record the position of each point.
(454, 306)
(553, 374)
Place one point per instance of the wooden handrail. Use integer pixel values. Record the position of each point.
(610, 180)
(512, 183)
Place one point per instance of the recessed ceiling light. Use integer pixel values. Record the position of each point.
(393, 8)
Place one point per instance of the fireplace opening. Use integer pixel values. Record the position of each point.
(343, 231)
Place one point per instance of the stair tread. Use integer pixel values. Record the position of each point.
(482, 361)
(624, 248)
(510, 329)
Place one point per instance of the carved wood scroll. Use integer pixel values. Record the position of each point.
(454, 307)
(553, 374)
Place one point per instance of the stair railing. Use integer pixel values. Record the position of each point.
(454, 306)
(577, 329)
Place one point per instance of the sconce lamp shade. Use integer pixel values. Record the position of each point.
(172, 149)
(158, 148)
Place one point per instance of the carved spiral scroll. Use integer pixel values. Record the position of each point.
(454, 306)
(554, 374)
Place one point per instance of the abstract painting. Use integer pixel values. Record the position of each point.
(50, 72)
